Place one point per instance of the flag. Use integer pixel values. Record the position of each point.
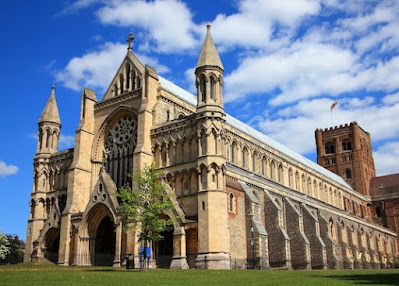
(334, 105)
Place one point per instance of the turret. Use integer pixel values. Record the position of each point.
(213, 235)
(49, 127)
(209, 79)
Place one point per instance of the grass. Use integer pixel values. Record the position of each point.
(34, 274)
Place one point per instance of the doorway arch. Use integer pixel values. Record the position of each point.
(105, 243)
(163, 249)
(99, 230)
(52, 244)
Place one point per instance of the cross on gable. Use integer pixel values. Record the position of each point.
(130, 41)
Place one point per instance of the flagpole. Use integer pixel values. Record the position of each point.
(335, 103)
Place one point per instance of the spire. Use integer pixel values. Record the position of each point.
(209, 55)
(50, 111)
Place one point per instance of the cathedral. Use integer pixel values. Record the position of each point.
(242, 200)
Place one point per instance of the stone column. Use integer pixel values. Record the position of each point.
(179, 259)
(118, 244)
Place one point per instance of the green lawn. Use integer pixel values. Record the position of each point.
(29, 274)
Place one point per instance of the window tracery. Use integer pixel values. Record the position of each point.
(119, 145)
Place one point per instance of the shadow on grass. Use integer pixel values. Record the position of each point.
(369, 279)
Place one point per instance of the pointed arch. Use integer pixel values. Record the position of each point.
(202, 87)
(213, 87)
(254, 161)
(234, 150)
(290, 178)
(245, 157)
(280, 173)
(121, 81)
(272, 170)
(128, 75)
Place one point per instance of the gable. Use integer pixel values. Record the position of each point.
(129, 77)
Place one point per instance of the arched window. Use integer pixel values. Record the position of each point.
(32, 208)
(280, 174)
(48, 138)
(233, 147)
(203, 88)
(297, 186)
(263, 166)
(329, 148)
(133, 79)
(290, 178)
(231, 203)
(121, 83)
(315, 193)
(332, 230)
(115, 89)
(127, 76)
(245, 157)
(348, 173)
(309, 187)
(213, 88)
(346, 145)
(119, 144)
(272, 170)
(254, 161)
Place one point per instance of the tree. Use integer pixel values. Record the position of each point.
(16, 254)
(4, 247)
(141, 209)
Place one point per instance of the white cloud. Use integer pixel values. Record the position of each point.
(77, 5)
(391, 98)
(96, 69)
(258, 22)
(7, 170)
(294, 126)
(301, 71)
(386, 158)
(66, 141)
(168, 23)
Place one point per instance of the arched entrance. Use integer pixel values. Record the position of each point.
(97, 237)
(105, 243)
(164, 249)
(52, 245)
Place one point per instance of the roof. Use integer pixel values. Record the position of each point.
(382, 185)
(235, 123)
(209, 55)
(50, 111)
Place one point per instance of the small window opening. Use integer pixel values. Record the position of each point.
(378, 211)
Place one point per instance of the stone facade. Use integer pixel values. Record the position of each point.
(242, 199)
(346, 150)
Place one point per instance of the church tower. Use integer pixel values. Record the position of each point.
(49, 127)
(346, 150)
(213, 232)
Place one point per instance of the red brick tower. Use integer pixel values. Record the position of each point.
(346, 150)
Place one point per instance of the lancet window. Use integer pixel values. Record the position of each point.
(119, 145)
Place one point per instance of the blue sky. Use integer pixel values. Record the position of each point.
(285, 63)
